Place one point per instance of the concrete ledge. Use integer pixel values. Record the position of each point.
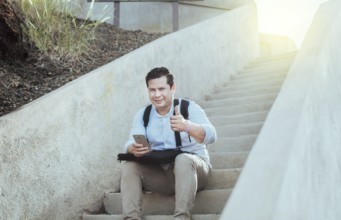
(293, 170)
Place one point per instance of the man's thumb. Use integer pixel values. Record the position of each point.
(176, 109)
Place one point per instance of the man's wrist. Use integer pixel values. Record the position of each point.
(129, 148)
(188, 126)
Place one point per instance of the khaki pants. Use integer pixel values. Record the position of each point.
(184, 178)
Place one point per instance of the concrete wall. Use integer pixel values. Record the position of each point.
(294, 169)
(151, 16)
(58, 153)
(226, 4)
(157, 17)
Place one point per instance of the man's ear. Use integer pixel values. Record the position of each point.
(173, 88)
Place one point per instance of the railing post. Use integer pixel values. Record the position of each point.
(175, 10)
(117, 13)
(175, 16)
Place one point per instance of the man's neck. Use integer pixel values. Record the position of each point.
(164, 111)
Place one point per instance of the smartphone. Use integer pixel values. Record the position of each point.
(141, 139)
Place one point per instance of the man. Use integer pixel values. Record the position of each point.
(189, 172)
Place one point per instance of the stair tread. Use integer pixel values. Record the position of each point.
(233, 144)
(245, 93)
(206, 202)
(239, 129)
(247, 76)
(228, 160)
(148, 217)
(258, 83)
(290, 55)
(251, 86)
(239, 101)
(223, 178)
(244, 107)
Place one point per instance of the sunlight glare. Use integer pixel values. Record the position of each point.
(287, 17)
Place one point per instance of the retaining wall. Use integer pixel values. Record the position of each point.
(58, 153)
(294, 169)
(157, 16)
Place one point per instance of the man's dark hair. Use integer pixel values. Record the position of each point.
(158, 73)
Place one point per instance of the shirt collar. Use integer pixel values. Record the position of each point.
(170, 112)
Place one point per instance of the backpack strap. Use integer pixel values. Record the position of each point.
(146, 115)
(184, 108)
(183, 111)
(177, 134)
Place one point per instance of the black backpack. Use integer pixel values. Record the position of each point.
(183, 111)
(159, 156)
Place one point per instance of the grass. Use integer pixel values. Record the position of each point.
(53, 27)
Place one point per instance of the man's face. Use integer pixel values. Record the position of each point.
(161, 94)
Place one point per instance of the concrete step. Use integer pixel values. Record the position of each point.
(239, 129)
(283, 69)
(238, 109)
(148, 217)
(286, 56)
(193, 217)
(223, 178)
(243, 78)
(206, 202)
(230, 87)
(271, 59)
(247, 89)
(244, 93)
(266, 69)
(228, 160)
(87, 216)
(232, 144)
(239, 119)
(250, 83)
(270, 67)
(269, 97)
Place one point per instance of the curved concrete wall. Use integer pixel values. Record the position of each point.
(294, 169)
(58, 153)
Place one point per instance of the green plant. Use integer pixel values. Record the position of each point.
(53, 27)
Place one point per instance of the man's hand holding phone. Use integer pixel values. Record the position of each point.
(141, 146)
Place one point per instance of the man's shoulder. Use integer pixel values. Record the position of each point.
(142, 110)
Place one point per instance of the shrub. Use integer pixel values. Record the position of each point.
(53, 27)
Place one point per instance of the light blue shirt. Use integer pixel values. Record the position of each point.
(161, 136)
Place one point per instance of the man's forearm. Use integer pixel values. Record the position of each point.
(196, 131)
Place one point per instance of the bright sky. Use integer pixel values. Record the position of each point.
(291, 18)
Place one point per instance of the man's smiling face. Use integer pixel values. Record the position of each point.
(161, 94)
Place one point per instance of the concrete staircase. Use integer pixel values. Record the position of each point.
(238, 111)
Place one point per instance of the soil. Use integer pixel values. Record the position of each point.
(22, 81)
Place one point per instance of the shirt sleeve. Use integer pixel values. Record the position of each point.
(198, 116)
(137, 128)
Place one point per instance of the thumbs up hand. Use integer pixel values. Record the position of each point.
(177, 112)
(177, 121)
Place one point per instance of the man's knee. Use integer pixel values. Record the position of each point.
(183, 161)
(129, 167)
